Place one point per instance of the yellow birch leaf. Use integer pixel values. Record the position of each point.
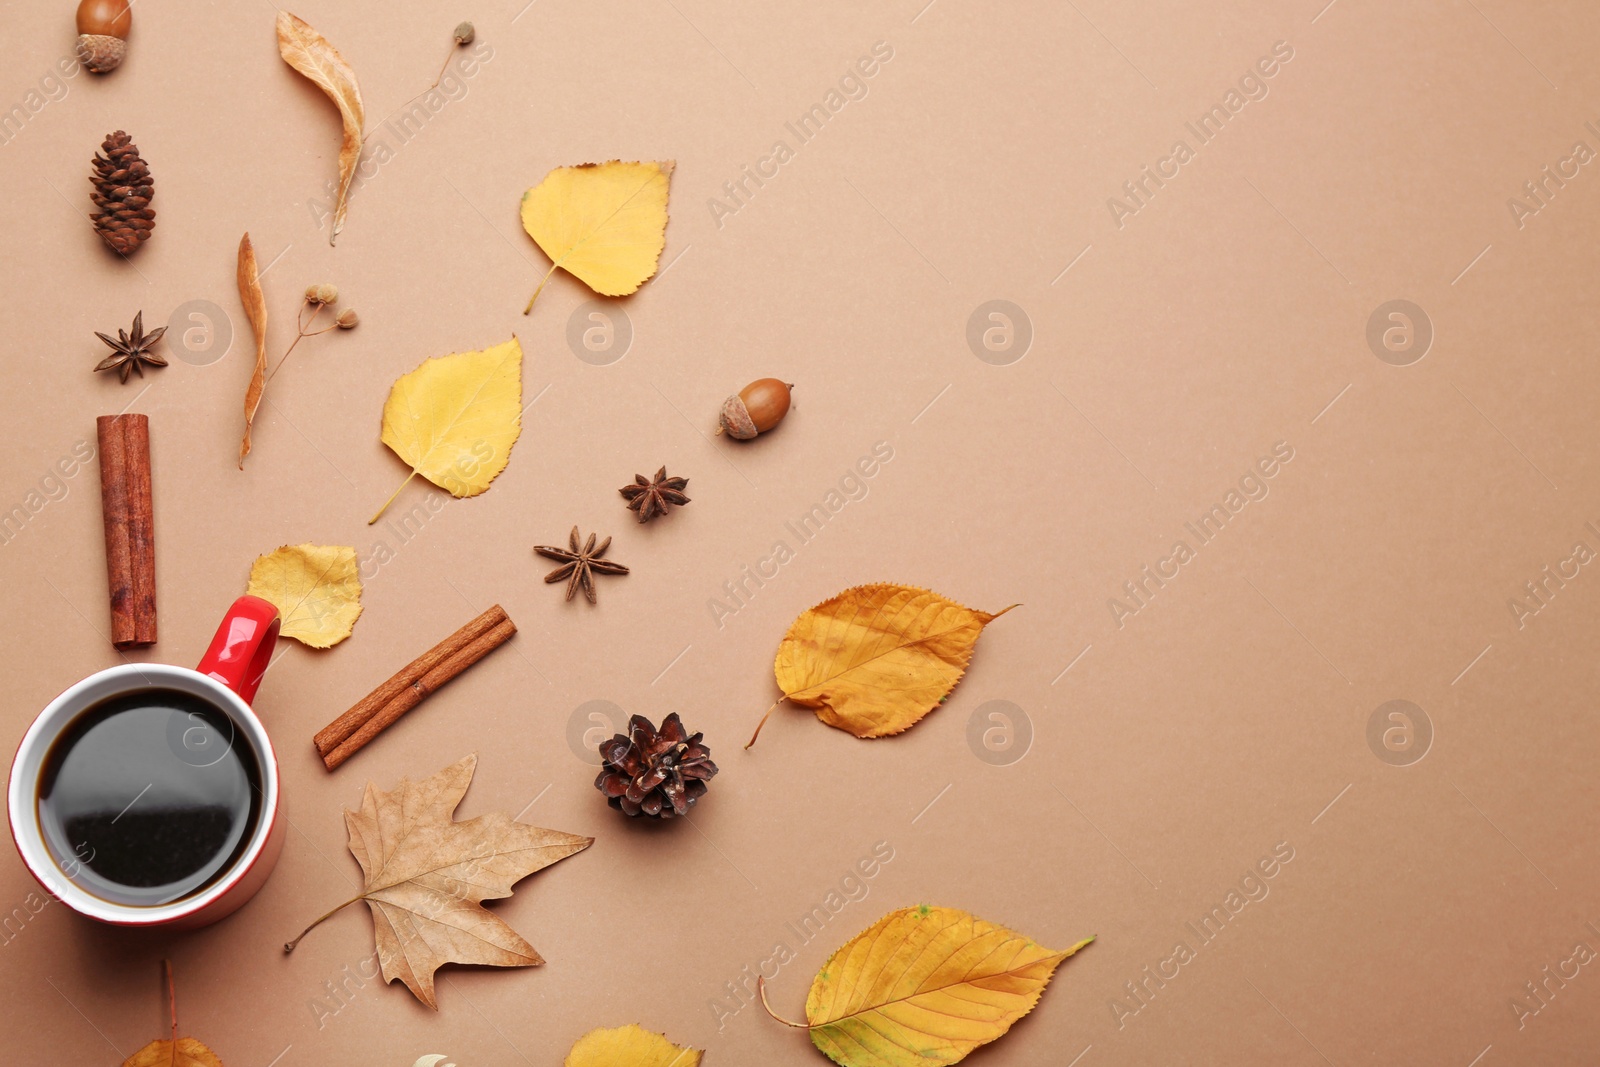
(314, 587)
(876, 658)
(310, 53)
(629, 1046)
(604, 223)
(255, 309)
(923, 987)
(455, 418)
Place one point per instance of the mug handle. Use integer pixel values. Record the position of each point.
(242, 648)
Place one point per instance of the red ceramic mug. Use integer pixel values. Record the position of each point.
(218, 694)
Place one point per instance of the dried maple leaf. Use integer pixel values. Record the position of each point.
(604, 223)
(629, 1046)
(455, 418)
(315, 588)
(173, 1051)
(426, 876)
(255, 309)
(876, 658)
(308, 52)
(923, 987)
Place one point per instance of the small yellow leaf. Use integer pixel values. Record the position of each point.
(315, 588)
(923, 987)
(876, 658)
(184, 1052)
(604, 223)
(455, 418)
(629, 1046)
(310, 53)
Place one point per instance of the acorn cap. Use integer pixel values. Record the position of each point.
(735, 419)
(100, 53)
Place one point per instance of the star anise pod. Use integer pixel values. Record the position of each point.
(130, 351)
(579, 564)
(651, 498)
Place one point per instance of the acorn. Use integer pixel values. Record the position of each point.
(755, 409)
(103, 27)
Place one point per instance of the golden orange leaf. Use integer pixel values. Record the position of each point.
(184, 1052)
(923, 987)
(427, 875)
(255, 309)
(310, 53)
(876, 658)
(173, 1051)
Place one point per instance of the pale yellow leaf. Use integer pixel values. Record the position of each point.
(629, 1046)
(255, 309)
(314, 587)
(876, 658)
(455, 418)
(310, 53)
(426, 876)
(603, 223)
(924, 986)
(184, 1052)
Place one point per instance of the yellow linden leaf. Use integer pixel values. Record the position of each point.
(604, 223)
(924, 986)
(315, 588)
(455, 418)
(876, 658)
(629, 1046)
(184, 1052)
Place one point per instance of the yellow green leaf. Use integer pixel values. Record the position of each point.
(315, 588)
(455, 418)
(924, 986)
(876, 658)
(603, 223)
(629, 1046)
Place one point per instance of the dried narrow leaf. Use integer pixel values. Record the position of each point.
(629, 1046)
(427, 875)
(604, 223)
(315, 588)
(455, 418)
(876, 658)
(923, 987)
(310, 53)
(255, 309)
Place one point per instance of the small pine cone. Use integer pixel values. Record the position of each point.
(122, 191)
(655, 773)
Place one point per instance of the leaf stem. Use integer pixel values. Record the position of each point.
(172, 999)
(529, 309)
(289, 946)
(763, 722)
(761, 991)
(386, 503)
(300, 330)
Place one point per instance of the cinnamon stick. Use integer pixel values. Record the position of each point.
(129, 526)
(411, 685)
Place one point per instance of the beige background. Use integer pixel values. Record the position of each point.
(1226, 315)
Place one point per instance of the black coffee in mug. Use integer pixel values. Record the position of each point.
(149, 797)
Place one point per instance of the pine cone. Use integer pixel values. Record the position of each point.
(122, 191)
(660, 774)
